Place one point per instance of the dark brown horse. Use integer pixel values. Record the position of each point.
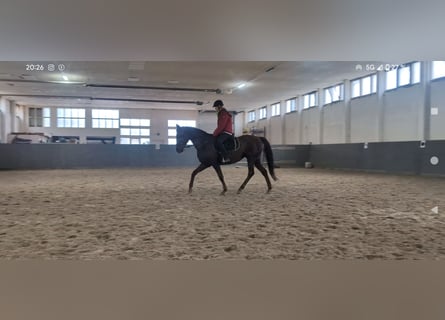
(250, 147)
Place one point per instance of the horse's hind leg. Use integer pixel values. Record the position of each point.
(221, 177)
(249, 175)
(264, 172)
(194, 173)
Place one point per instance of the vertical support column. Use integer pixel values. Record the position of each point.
(425, 78)
(299, 108)
(53, 119)
(13, 113)
(5, 126)
(2, 121)
(381, 84)
(320, 99)
(282, 121)
(347, 97)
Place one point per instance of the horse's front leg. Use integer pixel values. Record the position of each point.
(221, 177)
(249, 175)
(194, 173)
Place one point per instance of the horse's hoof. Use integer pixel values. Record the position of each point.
(239, 191)
(268, 190)
(222, 193)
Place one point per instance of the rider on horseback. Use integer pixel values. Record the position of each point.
(224, 130)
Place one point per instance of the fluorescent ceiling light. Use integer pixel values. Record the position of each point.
(242, 85)
(65, 78)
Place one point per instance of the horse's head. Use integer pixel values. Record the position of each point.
(181, 139)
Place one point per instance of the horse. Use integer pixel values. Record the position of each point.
(250, 147)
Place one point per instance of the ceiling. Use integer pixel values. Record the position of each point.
(169, 85)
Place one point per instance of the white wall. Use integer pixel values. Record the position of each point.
(334, 122)
(310, 126)
(402, 114)
(239, 123)
(291, 128)
(207, 121)
(365, 119)
(438, 101)
(275, 130)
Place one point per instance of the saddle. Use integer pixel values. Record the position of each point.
(231, 144)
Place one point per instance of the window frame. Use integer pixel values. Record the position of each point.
(251, 116)
(262, 113)
(34, 120)
(341, 97)
(412, 74)
(290, 110)
(309, 94)
(141, 138)
(372, 86)
(114, 120)
(171, 127)
(275, 109)
(65, 117)
(439, 78)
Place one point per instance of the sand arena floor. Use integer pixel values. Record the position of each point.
(147, 214)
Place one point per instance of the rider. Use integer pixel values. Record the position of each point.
(224, 130)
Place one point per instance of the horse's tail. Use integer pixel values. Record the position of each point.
(269, 157)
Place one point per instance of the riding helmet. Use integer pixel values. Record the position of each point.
(218, 103)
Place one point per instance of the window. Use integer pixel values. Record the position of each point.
(263, 113)
(291, 105)
(404, 75)
(310, 100)
(275, 109)
(172, 129)
(438, 69)
(106, 119)
(333, 94)
(364, 86)
(135, 131)
(70, 118)
(39, 117)
(251, 116)
(391, 79)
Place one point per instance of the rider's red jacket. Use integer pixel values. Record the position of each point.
(224, 123)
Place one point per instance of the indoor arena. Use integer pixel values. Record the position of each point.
(92, 167)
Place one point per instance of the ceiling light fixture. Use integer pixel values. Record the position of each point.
(65, 78)
(250, 81)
